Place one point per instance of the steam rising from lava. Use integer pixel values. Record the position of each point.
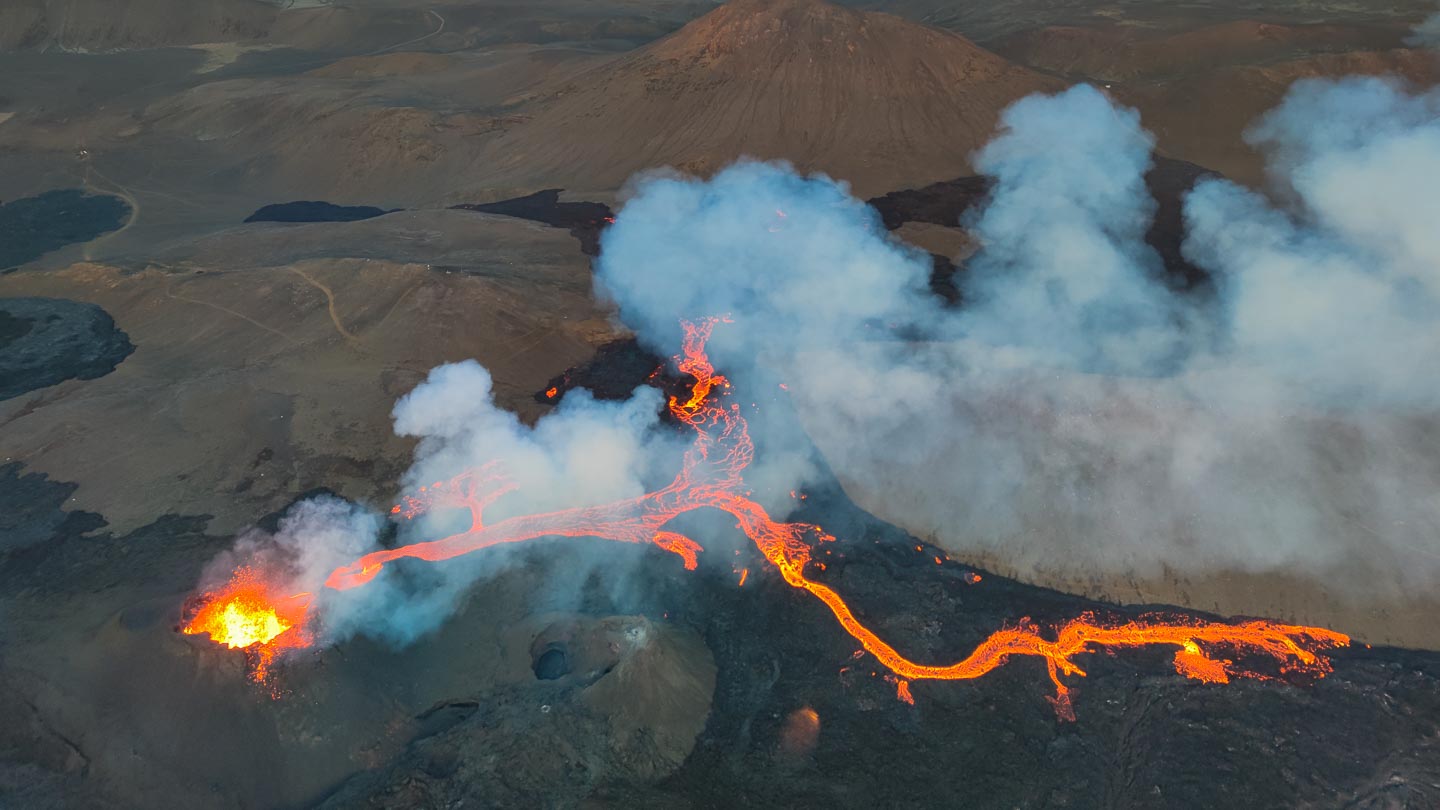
(1077, 413)
(711, 476)
(584, 452)
(258, 594)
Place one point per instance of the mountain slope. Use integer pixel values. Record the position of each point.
(867, 97)
(1127, 52)
(1202, 118)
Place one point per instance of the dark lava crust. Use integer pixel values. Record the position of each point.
(584, 220)
(33, 226)
(44, 341)
(315, 211)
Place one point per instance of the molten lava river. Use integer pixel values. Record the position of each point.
(246, 613)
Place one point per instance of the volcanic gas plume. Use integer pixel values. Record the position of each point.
(1079, 418)
(246, 612)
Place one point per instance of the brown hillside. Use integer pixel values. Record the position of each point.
(1202, 118)
(868, 97)
(1127, 52)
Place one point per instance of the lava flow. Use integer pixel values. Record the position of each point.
(710, 476)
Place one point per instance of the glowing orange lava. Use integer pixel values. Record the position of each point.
(902, 690)
(245, 614)
(710, 476)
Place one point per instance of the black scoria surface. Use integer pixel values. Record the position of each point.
(314, 211)
(44, 341)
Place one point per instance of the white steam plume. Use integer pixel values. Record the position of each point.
(1076, 414)
(1062, 237)
(584, 452)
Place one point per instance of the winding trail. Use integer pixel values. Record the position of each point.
(329, 302)
(170, 293)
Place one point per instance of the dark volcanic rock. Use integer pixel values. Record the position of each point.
(945, 203)
(584, 220)
(44, 341)
(315, 211)
(617, 368)
(34, 226)
(940, 203)
(31, 510)
(1169, 181)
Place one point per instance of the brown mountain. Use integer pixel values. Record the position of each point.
(867, 97)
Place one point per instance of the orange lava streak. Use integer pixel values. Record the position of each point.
(710, 476)
(902, 692)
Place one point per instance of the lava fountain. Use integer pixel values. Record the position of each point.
(246, 613)
(711, 476)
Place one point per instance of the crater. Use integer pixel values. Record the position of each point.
(552, 664)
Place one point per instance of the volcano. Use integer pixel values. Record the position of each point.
(866, 97)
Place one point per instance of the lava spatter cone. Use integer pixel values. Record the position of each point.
(246, 613)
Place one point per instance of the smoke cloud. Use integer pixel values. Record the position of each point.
(775, 250)
(1065, 278)
(1078, 415)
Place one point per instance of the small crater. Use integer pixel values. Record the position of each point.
(552, 664)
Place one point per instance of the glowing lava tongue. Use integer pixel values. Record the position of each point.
(246, 614)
